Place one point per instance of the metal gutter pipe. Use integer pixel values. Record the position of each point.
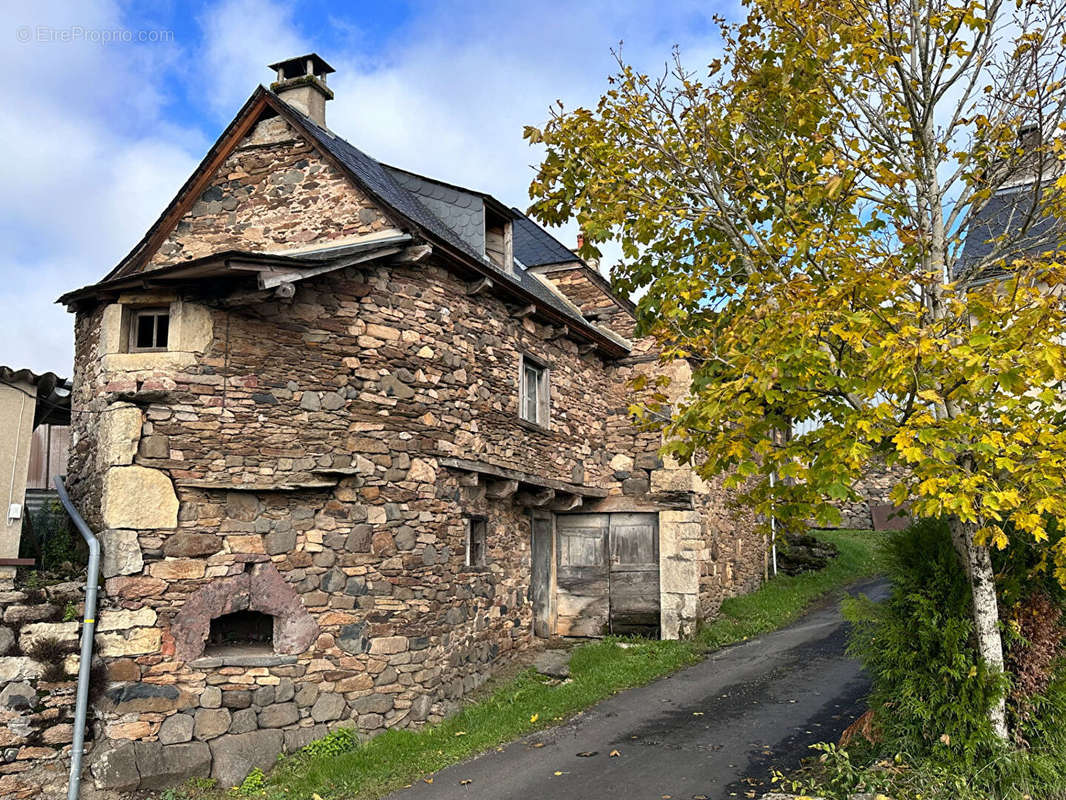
(88, 628)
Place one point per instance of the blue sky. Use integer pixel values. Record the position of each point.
(100, 135)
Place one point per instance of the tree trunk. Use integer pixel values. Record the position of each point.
(977, 561)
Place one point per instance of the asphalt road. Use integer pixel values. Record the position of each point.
(714, 730)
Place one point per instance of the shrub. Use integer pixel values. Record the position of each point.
(1033, 652)
(931, 691)
(332, 744)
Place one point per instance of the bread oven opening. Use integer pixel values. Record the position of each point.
(241, 633)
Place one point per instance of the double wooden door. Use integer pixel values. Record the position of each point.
(607, 574)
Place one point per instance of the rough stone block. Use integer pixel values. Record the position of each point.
(139, 641)
(19, 668)
(139, 498)
(115, 768)
(121, 620)
(329, 706)
(176, 728)
(235, 755)
(7, 640)
(388, 645)
(211, 722)
(66, 633)
(119, 432)
(178, 569)
(121, 553)
(244, 721)
(161, 765)
(144, 697)
(189, 543)
(279, 715)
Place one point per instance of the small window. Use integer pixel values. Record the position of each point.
(476, 541)
(534, 392)
(149, 329)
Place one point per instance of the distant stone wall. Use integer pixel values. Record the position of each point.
(874, 488)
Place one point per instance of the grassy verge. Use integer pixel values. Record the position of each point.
(529, 702)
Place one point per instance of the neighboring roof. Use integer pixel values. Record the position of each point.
(53, 394)
(996, 230)
(535, 247)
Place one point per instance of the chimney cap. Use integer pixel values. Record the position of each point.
(296, 67)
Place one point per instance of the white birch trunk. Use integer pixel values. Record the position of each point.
(978, 563)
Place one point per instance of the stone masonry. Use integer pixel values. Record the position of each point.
(285, 456)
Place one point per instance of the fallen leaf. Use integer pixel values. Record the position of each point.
(538, 744)
(615, 754)
(587, 754)
(465, 782)
(460, 733)
(697, 713)
(427, 780)
(534, 718)
(945, 738)
(559, 772)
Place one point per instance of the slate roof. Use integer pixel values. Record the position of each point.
(534, 246)
(416, 199)
(998, 224)
(382, 181)
(461, 211)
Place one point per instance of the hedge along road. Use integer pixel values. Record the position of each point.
(714, 730)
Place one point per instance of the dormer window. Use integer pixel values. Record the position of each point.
(498, 243)
(149, 329)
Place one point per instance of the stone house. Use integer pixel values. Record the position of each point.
(352, 437)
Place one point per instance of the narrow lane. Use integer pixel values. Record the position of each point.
(714, 730)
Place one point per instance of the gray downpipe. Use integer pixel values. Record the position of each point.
(88, 627)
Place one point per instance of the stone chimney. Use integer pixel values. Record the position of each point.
(302, 84)
(1030, 137)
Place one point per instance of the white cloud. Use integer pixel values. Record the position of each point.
(95, 154)
(90, 163)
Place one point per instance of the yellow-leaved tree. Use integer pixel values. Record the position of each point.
(851, 218)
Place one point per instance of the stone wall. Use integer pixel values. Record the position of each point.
(38, 677)
(286, 458)
(874, 509)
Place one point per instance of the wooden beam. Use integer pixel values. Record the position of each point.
(489, 471)
(415, 254)
(479, 286)
(501, 490)
(524, 311)
(469, 479)
(566, 502)
(17, 562)
(534, 499)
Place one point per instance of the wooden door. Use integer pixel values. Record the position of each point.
(634, 574)
(582, 575)
(541, 575)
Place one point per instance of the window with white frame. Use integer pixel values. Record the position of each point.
(476, 541)
(534, 392)
(149, 329)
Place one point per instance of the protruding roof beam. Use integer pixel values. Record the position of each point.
(479, 286)
(524, 311)
(534, 498)
(501, 490)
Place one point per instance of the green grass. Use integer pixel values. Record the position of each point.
(529, 702)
